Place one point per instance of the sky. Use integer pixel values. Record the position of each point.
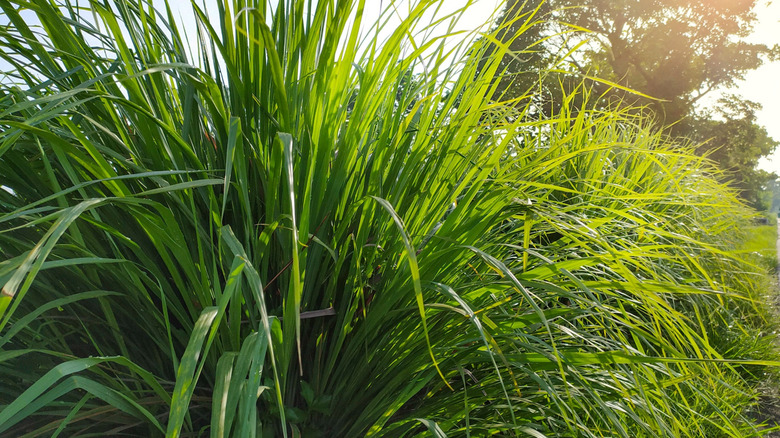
(763, 85)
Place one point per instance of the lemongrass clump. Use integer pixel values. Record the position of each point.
(304, 232)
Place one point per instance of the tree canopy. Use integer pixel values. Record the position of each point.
(661, 55)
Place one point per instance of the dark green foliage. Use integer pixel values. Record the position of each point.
(735, 141)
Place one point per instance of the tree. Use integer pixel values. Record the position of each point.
(735, 141)
(773, 188)
(676, 51)
(663, 56)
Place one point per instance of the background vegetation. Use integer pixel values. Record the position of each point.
(673, 53)
(302, 232)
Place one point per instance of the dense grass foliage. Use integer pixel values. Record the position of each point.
(307, 233)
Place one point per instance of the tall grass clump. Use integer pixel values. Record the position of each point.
(304, 232)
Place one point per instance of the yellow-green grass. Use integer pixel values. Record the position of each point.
(761, 242)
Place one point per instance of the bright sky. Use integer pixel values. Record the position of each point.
(763, 85)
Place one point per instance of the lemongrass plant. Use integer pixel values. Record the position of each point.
(307, 233)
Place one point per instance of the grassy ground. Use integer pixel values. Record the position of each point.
(762, 241)
(762, 246)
